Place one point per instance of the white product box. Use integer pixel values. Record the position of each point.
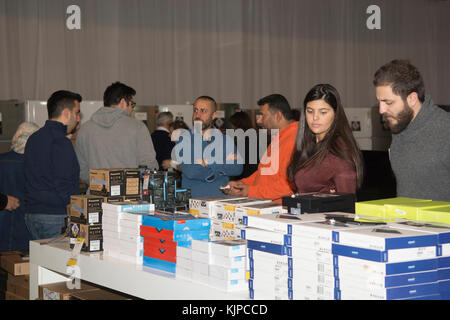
(201, 245)
(256, 209)
(382, 238)
(227, 273)
(130, 245)
(225, 210)
(265, 236)
(110, 227)
(185, 263)
(131, 206)
(131, 238)
(228, 285)
(312, 255)
(281, 222)
(446, 250)
(277, 273)
(221, 230)
(323, 230)
(312, 292)
(311, 244)
(110, 234)
(228, 262)
(200, 278)
(256, 254)
(259, 284)
(129, 224)
(184, 252)
(200, 256)
(302, 265)
(131, 231)
(313, 279)
(203, 207)
(132, 253)
(199, 267)
(229, 248)
(265, 295)
(183, 273)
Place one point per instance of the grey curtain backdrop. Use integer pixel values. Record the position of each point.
(171, 51)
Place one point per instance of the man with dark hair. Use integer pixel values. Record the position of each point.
(270, 181)
(161, 139)
(419, 152)
(112, 138)
(205, 163)
(51, 167)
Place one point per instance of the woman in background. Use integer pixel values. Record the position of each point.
(327, 157)
(14, 234)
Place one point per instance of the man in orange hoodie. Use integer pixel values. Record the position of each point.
(270, 181)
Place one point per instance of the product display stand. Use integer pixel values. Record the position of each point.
(48, 265)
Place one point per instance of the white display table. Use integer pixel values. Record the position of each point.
(48, 265)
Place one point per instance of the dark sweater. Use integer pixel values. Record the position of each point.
(163, 146)
(420, 155)
(3, 201)
(51, 170)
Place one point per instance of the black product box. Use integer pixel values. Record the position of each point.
(92, 234)
(107, 182)
(132, 185)
(319, 202)
(86, 209)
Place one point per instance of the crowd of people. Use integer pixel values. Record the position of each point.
(312, 149)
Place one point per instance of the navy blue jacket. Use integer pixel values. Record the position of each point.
(163, 146)
(51, 170)
(14, 234)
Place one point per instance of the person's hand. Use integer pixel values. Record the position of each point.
(13, 203)
(237, 188)
(166, 164)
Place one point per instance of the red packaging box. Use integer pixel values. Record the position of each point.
(160, 243)
(169, 255)
(152, 232)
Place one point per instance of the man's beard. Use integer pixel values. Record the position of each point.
(403, 118)
(205, 125)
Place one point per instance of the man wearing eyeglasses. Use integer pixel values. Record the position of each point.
(112, 138)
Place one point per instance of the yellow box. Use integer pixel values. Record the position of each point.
(410, 211)
(376, 209)
(438, 215)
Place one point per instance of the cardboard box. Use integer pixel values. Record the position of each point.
(221, 230)
(16, 264)
(99, 294)
(131, 206)
(19, 290)
(13, 296)
(92, 234)
(132, 186)
(176, 222)
(86, 209)
(113, 199)
(60, 291)
(107, 182)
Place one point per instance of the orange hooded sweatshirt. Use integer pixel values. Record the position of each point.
(270, 181)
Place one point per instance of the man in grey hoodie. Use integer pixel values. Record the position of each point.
(112, 138)
(420, 150)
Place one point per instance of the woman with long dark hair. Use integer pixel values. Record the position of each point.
(326, 157)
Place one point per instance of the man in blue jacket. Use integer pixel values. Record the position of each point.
(204, 159)
(51, 167)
